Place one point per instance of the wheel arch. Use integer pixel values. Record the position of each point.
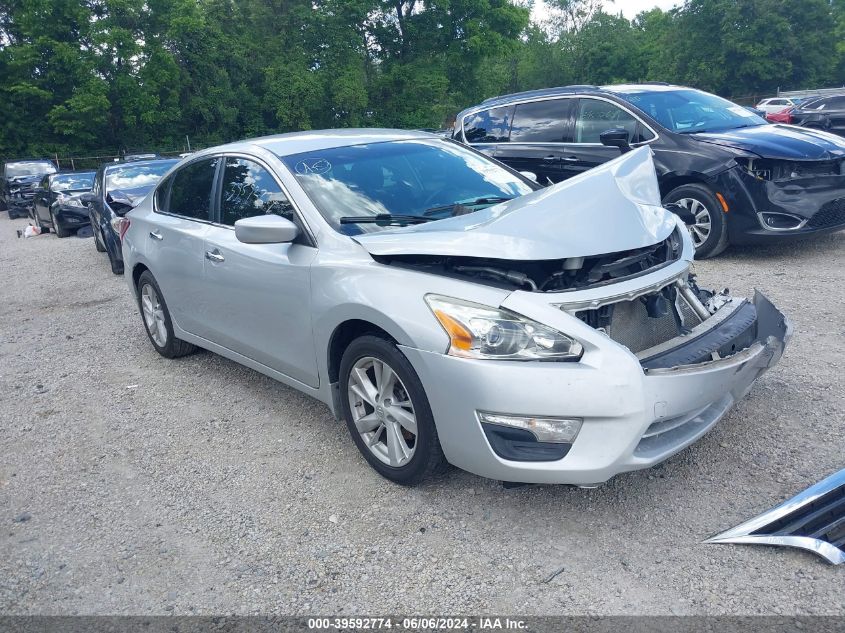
(137, 271)
(669, 182)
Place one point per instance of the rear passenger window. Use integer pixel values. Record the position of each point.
(488, 126)
(249, 190)
(190, 190)
(542, 122)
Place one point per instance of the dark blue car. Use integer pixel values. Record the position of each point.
(118, 187)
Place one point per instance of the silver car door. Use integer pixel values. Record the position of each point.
(176, 242)
(258, 295)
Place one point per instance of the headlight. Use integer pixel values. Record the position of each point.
(478, 331)
(73, 203)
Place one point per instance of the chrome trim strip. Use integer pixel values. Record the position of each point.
(742, 533)
(801, 221)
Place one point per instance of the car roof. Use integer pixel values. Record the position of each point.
(298, 142)
(140, 163)
(562, 91)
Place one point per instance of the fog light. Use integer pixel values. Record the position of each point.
(552, 430)
(781, 221)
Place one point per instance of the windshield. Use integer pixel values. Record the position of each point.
(130, 177)
(31, 168)
(73, 182)
(423, 178)
(690, 111)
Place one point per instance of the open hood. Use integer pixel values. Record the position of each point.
(614, 207)
(787, 142)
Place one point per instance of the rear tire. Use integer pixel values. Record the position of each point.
(156, 319)
(710, 233)
(400, 417)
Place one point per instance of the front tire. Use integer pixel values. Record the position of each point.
(710, 231)
(57, 228)
(387, 412)
(156, 319)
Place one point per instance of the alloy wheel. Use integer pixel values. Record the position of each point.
(382, 411)
(702, 228)
(153, 315)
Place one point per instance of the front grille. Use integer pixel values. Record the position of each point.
(822, 519)
(830, 214)
(813, 520)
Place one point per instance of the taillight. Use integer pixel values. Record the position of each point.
(120, 226)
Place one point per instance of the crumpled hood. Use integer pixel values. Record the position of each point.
(614, 207)
(787, 142)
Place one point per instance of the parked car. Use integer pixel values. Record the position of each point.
(784, 116)
(57, 202)
(825, 113)
(117, 188)
(446, 307)
(743, 180)
(775, 104)
(130, 158)
(20, 178)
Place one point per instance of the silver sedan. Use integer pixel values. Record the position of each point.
(446, 307)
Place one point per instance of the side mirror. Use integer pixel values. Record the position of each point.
(530, 175)
(87, 197)
(266, 229)
(617, 137)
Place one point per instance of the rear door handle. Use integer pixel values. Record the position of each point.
(214, 256)
(156, 235)
(570, 159)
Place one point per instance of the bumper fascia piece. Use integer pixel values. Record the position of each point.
(632, 418)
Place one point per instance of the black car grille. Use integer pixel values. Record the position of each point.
(830, 214)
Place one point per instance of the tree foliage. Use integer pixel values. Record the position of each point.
(81, 76)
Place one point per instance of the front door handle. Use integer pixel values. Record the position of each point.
(214, 256)
(156, 235)
(550, 159)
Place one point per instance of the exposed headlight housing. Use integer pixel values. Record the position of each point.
(482, 332)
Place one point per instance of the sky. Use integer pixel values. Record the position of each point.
(629, 8)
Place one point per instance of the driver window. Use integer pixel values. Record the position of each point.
(596, 116)
(250, 190)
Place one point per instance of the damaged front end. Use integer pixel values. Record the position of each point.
(788, 197)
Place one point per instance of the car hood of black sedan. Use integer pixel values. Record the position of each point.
(786, 142)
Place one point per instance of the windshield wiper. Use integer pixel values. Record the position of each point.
(384, 219)
(467, 203)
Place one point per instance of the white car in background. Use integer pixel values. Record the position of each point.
(775, 104)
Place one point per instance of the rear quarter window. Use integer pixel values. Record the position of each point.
(489, 126)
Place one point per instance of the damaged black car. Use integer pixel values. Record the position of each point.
(20, 180)
(733, 177)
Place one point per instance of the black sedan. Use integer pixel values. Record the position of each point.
(739, 179)
(118, 187)
(57, 203)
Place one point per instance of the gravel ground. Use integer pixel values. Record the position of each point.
(136, 485)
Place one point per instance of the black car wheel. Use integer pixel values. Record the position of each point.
(156, 318)
(709, 232)
(59, 230)
(387, 412)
